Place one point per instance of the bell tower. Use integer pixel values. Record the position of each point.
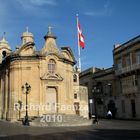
(4, 48)
(27, 37)
(50, 42)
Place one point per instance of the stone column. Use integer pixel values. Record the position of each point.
(2, 95)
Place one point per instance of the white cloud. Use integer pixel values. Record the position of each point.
(105, 11)
(43, 2)
(95, 13)
(33, 3)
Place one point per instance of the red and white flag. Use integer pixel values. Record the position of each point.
(80, 36)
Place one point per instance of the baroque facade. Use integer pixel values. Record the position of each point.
(50, 73)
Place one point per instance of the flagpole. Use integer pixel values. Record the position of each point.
(79, 53)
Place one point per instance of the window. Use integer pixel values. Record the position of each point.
(135, 81)
(75, 96)
(128, 61)
(51, 66)
(3, 54)
(119, 64)
(129, 84)
(138, 57)
(74, 78)
(24, 41)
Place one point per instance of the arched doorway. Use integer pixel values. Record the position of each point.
(112, 107)
(51, 99)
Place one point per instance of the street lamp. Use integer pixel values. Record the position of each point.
(110, 85)
(26, 90)
(95, 91)
(91, 104)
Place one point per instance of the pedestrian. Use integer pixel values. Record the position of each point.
(109, 114)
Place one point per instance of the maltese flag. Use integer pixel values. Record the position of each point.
(80, 36)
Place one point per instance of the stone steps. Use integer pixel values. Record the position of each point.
(60, 120)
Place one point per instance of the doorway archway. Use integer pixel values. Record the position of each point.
(51, 99)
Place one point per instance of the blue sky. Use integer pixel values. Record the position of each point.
(103, 22)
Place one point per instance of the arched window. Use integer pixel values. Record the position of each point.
(24, 41)
(3, 54)
(74, 78)
(51, 66)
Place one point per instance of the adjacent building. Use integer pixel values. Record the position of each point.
(101, 86)
(117, 88)
(127, 71)
(87, 80)
(104, 93)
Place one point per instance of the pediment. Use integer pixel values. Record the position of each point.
(50, 47)
(67, 53)
(48, 76)
(27, 49)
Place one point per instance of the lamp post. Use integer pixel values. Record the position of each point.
(91, 104)
(26, 90)
(95, 91)
(110, 85)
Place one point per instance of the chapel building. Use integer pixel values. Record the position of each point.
(50, 72)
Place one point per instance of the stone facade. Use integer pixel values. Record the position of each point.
(102, 85)
(127, 71)
(118, 88)
(50, 73)
(87, 80)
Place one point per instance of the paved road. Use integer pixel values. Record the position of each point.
(105, 130)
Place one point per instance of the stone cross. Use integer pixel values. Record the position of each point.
(4, 34)
(50, 28)
(27, 29)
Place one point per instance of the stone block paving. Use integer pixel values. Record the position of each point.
(105, 130)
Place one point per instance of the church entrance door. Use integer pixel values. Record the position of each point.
(51, 100)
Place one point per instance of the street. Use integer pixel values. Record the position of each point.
(105, 130)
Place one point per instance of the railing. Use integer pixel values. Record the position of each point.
(127, 69)
(130, 90)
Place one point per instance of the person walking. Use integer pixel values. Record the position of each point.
(109, 114)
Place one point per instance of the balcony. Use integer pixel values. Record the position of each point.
(130, 90)
(127, 69)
